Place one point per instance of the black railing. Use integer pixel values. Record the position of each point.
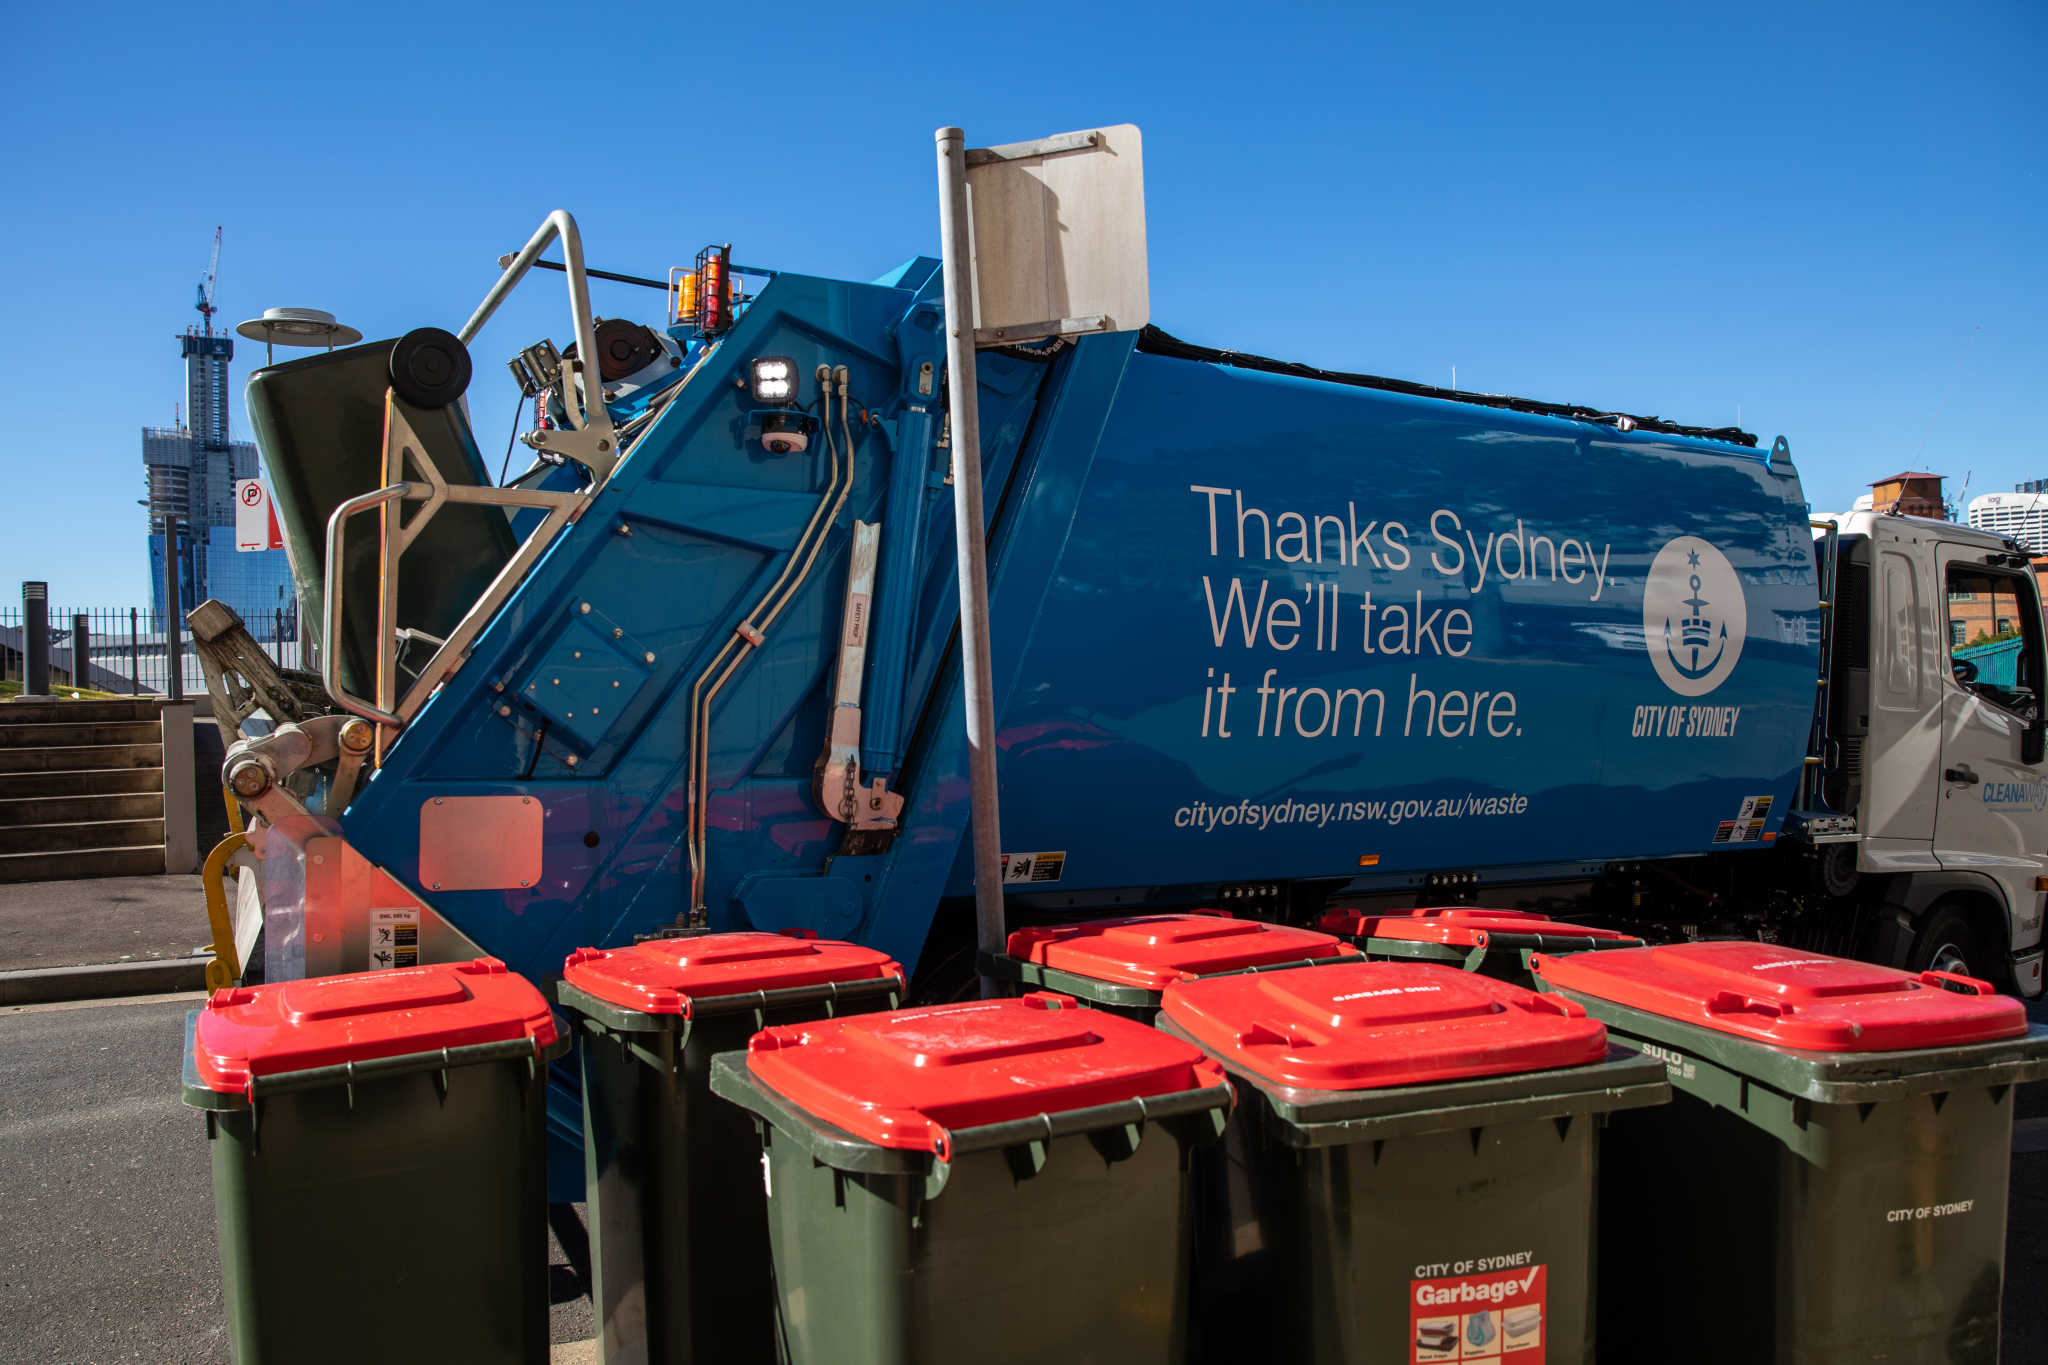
(124, 650)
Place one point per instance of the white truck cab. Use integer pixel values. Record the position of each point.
(1935, 740)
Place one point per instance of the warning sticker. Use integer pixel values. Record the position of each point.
(394, 938)
(1478, 1317)
(1033, 867)
(1748, 825)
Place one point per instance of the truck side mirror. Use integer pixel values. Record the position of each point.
(2033, 740)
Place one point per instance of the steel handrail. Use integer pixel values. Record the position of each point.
(586, 415)
(330, 656)
(561, 509)
(599, 455)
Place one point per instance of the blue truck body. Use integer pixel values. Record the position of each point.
(1246, 626)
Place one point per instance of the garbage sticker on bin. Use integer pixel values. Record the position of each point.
(1497, 1317)
(394, 938)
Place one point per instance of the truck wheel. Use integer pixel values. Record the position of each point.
(1948, 942)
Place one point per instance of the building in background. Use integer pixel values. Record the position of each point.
(1914, 493)
(191, 471)
(2021, 514)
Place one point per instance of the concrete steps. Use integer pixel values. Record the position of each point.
(74, 734)
(17, 811)
(94, 832)
(78, 757)
(144, 861)
(91, 781)
(77, 712)
(81, 789)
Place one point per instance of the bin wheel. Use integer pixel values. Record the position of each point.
(429, 367)
(1948, 942)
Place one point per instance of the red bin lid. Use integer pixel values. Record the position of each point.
(906, 1078)
(664, 975)
(1465, 926)
(1367, 1025)
(250, 1031)
(1791, 997)
(1155, 950)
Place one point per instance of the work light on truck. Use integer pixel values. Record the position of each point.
(774, 379)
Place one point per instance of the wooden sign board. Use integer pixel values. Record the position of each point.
(1058, 236)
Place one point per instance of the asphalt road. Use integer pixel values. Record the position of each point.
(106, 1201)
(106, 1214)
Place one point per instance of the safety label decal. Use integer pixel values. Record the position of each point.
(1021, 868)
(1748, 825)
(1497, 1317)
(395, 938)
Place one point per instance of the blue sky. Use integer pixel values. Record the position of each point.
(1832, 217)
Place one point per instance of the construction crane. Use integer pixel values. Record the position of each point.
(206, 305)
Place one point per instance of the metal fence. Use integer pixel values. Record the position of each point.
(125, 651)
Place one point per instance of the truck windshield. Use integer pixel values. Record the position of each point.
(1994, 630)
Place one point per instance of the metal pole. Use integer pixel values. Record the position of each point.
(970, 540)
(134, 655)
(35, 639)
(174, 645)
(81, 651)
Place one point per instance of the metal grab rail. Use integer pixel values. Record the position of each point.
(596, 446)
(1813, 768)
(330, 653)
(562, 509)
(591, 441)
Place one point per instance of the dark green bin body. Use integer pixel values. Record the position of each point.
(1319, 1207)
(399, 1217)
(1798, 1207)
(1140, 1003)
(678, 1220)
(1504, 957)
(319, 421)
(1073, 1246)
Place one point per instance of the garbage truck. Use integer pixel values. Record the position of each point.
(1261, 636)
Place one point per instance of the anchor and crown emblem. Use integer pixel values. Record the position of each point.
(1695, 615)
(1696, 631)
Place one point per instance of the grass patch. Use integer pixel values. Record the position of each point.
(11, 690)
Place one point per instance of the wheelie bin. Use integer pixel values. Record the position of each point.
(379, 1163)
(678, 1228)
(1410, 1172)
(1497, 942)
(996, 1180)
(1125, 964)
(1830, 1184)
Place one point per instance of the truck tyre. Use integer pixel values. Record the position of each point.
(1836, 866)
(1949, 942)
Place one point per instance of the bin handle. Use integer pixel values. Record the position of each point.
(948, 1143)
(1735, 1002)
(531, 1047)
(1260, 1033)
(1557, 1004)
(1957, 982)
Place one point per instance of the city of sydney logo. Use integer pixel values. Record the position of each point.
(1694, 616)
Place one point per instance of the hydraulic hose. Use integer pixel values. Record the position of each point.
(751, 633)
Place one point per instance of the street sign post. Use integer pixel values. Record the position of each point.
(256, 525)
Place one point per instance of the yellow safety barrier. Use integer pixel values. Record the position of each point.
(226, 964)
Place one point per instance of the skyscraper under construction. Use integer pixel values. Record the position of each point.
(191, 471)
